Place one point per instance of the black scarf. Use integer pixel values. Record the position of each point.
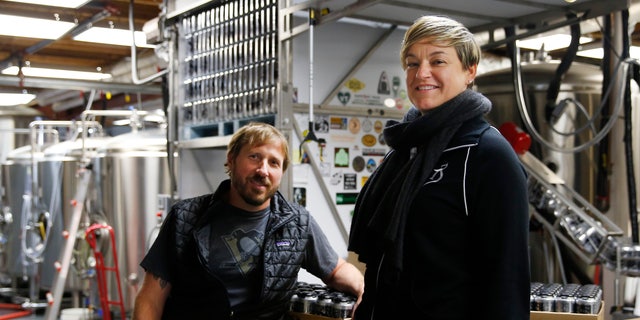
(416, 144)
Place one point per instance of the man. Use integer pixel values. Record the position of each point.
(236, 253)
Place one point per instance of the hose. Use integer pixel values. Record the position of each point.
(563, 67)
(628, 143)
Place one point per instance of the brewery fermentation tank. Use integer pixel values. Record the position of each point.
(12, 119)
(580, 86)
(59, 183)
(14, 122)
(133, 178)
(39, 183)
(16, 182)
(581, 89)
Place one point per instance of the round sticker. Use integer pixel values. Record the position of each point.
(369, 140)
(358, 163)
(377, 126)
(381, 139)
(371, 165)
(367, 125)
(354, 125)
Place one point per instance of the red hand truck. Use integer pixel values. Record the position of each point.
(101, 270)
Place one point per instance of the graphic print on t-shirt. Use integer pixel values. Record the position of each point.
(245, 248)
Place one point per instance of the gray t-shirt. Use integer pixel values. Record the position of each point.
(236, 252)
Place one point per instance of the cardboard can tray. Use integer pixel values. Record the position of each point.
(544, 315)
(307, 316)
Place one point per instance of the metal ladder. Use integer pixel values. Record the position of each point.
(54, 297)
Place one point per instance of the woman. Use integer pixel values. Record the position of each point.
(447, 209)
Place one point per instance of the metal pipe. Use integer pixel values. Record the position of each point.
(134, 66)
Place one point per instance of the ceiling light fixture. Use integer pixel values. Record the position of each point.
(57, 73)
(121, 37)
(18, 26)
(55, 3)
(15, 99)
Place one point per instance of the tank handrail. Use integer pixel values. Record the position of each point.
(133, 114)
(33, 127)
(53, 132)
(112, 113)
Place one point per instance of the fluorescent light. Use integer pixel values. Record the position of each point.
(17, 26)
(552, 42)
(55, 3)
(598, 53)
(15, 99)
(120, 37)
(57, 73)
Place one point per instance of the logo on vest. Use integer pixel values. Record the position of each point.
(283, 243)
(437, 174)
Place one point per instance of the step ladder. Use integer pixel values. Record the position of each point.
(54, 297)
(92, 236)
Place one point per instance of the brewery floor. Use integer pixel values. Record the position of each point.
(15, 306)
(74, 314)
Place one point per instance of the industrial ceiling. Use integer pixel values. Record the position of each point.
(481, 16)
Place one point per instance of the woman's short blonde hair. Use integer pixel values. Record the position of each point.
(442, 31)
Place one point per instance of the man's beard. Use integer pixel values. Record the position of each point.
(249, 195)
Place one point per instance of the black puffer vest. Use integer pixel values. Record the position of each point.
(195, 287)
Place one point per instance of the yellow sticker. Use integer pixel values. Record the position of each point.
(377, 126)
(355, 85)
(369, 140)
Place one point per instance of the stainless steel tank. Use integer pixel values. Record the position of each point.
(134, 177)
(581, 83)
(59, 184)
(14, 122)
(12, 118)
(54, 188)
(16, 182)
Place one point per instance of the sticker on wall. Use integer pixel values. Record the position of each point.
(374, 152)
(350, 181)
(381, 139)
(321, 124)
(358, 163)
(344, 97)
(371, 165)
(363, 180)
(369, 140)
(354, 85)
(384, 87)
(343, 138)
(336, 178)
(354, 125)
(341, 157)
(338, 123)
(396, 85)
(367, 125)
(378, 126)
(300, 196)
(346, 197)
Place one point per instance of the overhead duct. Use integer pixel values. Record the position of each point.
(47, 97)
(74, 102)
(147, 64)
